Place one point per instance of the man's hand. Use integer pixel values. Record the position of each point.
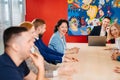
(37, 60)
(39, 63)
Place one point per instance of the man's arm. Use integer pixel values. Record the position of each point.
(33, 76)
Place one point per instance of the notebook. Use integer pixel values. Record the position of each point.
(96, 40)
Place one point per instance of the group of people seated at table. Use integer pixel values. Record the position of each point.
(52, 57)
(27, 57)
(112, 32)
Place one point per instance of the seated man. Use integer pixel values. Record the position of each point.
(17, 44)
(50, 69)
(102, 30)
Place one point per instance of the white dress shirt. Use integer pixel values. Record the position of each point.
(102, 32)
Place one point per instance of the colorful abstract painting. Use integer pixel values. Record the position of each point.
(83, 15)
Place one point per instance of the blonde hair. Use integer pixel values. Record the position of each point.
(28, 25)
(110, 36)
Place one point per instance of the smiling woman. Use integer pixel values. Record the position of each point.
(114, 33)
(58, 40)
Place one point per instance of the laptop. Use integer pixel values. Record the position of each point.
(96, 40)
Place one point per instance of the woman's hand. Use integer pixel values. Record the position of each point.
(115, 55)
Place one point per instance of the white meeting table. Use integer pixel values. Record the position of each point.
(95, 63)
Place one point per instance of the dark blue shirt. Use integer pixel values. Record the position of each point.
(49, 55)
(9, 71)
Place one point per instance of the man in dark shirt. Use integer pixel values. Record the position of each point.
(17, 44)
(102, 30)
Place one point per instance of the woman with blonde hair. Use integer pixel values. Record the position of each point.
(114, 33)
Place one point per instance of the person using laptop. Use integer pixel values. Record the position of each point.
(102, 30)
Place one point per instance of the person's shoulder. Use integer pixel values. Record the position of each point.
(97, 27)
(5, 69)
(8, 72)
(55, 35)
(4, 59)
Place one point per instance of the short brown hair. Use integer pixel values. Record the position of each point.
(37, 22)
(12, 32)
